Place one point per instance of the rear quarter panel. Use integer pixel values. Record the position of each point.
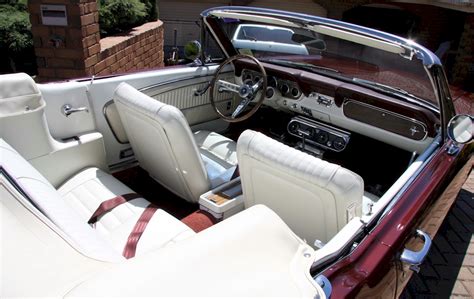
(367, 270)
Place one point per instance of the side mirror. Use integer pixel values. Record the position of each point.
(461, 128)
(192, 50)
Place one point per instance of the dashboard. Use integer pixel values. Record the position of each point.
(328, 107)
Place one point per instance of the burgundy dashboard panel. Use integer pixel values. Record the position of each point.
(359, 103)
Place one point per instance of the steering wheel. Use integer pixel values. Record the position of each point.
(246, 91)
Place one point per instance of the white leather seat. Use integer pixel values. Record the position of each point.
(85, 191)
(251, 254)
(315, 198)
(70, 207)
(187, 164)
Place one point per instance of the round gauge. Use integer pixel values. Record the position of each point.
(284, 88)
(322, 137)
(247, 76)
(270, 92)
(295, 92)
(272, 82)
(339, 143)
(256, 79)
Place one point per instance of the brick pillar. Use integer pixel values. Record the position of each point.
(463, 70)
(69, 51)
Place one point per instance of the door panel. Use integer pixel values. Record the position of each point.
(74, 94)
(197, 109)
(165, 80)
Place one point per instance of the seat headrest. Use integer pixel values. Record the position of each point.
(19, 94)
(16, 85)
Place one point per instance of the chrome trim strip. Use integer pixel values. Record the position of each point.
(104, 113)
(144, 89)
(425, 158)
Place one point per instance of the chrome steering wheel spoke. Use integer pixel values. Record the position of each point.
(227, 86)
(241, 107)
(257, 85)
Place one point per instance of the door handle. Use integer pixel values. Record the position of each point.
(416, 258)
(68, 110)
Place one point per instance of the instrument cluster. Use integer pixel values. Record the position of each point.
(286, 88)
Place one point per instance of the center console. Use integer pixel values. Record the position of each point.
(223, 201)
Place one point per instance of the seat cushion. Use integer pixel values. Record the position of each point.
(219, 155)
(44, 199)
(251, 254)
(88, 189)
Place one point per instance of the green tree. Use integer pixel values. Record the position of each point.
(120, 15)
(16, 41)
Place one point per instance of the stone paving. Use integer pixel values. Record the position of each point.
(449, 269)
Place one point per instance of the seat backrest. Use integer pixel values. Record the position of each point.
(314, 197)
(162, 142)
(45, 199)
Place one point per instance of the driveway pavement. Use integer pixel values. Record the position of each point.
(449, 269)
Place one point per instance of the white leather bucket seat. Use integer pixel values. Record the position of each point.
(187, 164)
(315, 198)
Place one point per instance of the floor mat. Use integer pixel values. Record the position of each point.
(139, 180)
(199, 220)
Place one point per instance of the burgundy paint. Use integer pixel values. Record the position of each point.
(372, 258)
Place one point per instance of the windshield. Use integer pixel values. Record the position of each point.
(384, 65)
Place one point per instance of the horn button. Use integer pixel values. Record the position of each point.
(245, 91)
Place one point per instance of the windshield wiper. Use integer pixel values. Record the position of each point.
(301, 65)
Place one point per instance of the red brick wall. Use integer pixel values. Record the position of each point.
(68, 58)
(142, 48)
(81, 52)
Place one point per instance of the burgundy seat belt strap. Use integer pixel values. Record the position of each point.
(137, 231)
(110, 204)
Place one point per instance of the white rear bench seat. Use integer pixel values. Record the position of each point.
(71, 206)
(253, 253)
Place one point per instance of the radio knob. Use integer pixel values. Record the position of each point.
(294, 126)
(339, 143)
(322, 137)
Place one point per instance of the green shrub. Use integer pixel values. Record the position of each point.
(119, 15)
(15, 27)
(16, 40)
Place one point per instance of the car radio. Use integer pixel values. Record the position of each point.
(318, 134)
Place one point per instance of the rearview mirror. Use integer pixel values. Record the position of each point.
(461, 128)
(309, 41)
